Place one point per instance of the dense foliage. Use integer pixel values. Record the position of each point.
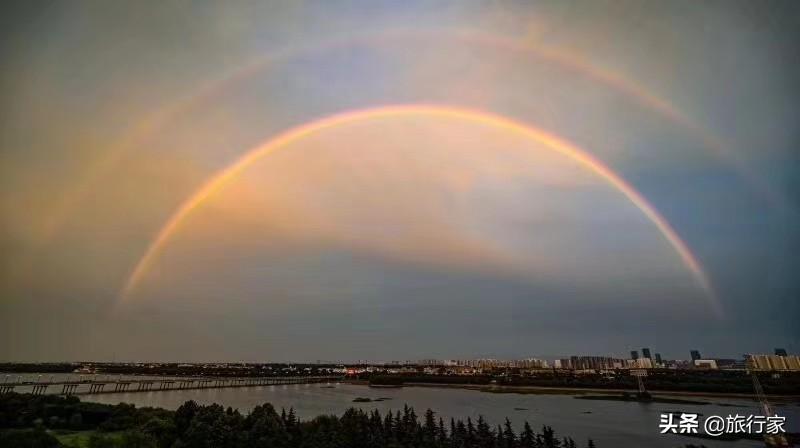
(212, 426)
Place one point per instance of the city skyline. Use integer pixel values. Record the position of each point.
(404, 181)
(633, 355)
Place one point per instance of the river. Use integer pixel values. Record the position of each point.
(609, 423)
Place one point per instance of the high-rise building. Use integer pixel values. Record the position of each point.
(780, 351)
(696, 355)
(634, 354)
(591, 362)
(658, 359)
(646, 353)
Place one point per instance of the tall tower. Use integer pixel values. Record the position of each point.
(646, 353)
(634, 354)
(696, 355)
(780, 352)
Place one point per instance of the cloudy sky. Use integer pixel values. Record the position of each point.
(347, 180)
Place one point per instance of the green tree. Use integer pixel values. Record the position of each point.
(483, 433)
(509, 438)
(471, 438)
(429, 429)
(184, 415)
(441, 434)
(136, 439)
(97, 440)
(527, 439)
(35, 438)
(163, 431)
(549, 439)
(76, 421)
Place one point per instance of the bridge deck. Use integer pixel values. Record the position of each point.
(110, 385)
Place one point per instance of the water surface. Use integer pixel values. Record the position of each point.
(609, 423)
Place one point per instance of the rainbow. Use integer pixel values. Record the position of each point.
(160, 117)
(222, 178)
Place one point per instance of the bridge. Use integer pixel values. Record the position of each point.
(110, 385)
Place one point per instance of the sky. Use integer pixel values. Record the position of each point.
(341, 181)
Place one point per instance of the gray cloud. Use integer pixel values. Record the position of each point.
(112, 114)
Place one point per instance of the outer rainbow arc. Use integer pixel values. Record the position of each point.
(158, 118)
(584, 159)
(162, 115)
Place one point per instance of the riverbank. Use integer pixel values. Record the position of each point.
(541, 390)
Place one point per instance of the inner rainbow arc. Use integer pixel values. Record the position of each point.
(218, 181)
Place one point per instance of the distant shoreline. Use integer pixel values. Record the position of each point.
(543, 390)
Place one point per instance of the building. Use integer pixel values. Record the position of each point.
(730, 364)
(780, 352)
(646, 353)
(430, 362)
(531, 363)
(644, 363)
(773, 362)
(680, 364)
(591, 362)
(777, 362)
(758, 362)
(695, 355)
(491, 363)
(705, 364)
(659, 361)
(634, 354)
